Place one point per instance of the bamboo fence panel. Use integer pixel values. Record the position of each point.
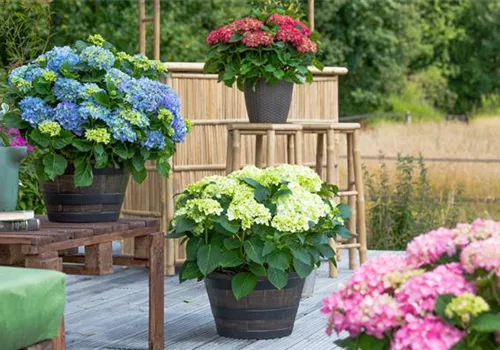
(211, 106)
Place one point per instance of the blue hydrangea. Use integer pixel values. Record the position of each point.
(97, 57)
(144, 94)
(67, 114)
(67, 89)
(171, 101)
(34, 110)
(90, 109)
(19, 73)
(58, 55)
(180, 129)
(34, 73)
(121, 129)
(155, 139)
(89, 89)
(117, 76)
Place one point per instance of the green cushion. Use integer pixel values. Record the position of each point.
(31, 306)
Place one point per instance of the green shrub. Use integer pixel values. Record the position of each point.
(401, 209)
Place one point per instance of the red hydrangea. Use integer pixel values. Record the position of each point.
(221, 35)
(258, 38)
(307, 45)
(290, 34)
(248, 24)
(281, 20)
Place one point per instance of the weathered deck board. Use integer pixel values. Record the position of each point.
(111, 313)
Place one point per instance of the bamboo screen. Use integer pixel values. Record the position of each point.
(211, 105)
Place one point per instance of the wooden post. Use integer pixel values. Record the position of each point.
(229, 154)
(142, 26)
(259, 144)
(290, 144)
(156, 292)
(360, 199)
(351, 186)
(271, 148)
(99, 258)
(319, 153)
(331, 176)
(299, 144)
(310, 13)
(236, 150)
(171, 243)
(156, 29)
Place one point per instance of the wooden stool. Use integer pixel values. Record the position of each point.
(355, 188)
(235, 131)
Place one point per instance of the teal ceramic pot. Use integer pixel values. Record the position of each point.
(9, 176)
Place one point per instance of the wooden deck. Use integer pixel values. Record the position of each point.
(111, 313)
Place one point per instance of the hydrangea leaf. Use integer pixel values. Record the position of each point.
(192, 246)
(231, 258)
(486, 323)
(243, 284)
(277, 277)
(83, 172)
(231, 243)
(303, 270)
(189, 270)
(253, 249)
(208, 258)
(278, 259)
(54, 165)
(258, 270)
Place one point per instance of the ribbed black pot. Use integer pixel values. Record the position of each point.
(268, 103)
(99, 202)
(266, 313)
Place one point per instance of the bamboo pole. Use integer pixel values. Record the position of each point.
(310, 13)
(156, 29)
(319, 154)
(290, 144)
(360, 199)
(229, 154)
(351, 186)
(142, 26)
(331, 178)
(299, 143)
(271, 148)
(236, 150)
(259, 144)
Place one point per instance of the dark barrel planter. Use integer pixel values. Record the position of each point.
(268, 103)
(266, 313)
(99, 202)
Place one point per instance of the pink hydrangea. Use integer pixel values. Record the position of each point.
(307, 45)
(427, 249)
(291, 34)
(248, 24)
(281, 20)
(305, 29)
(478, 230)
(221, 35)
(482, 255)
(258, 38)
(418, 295)
(429, 333)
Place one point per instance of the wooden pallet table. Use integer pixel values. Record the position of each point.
(54, 245)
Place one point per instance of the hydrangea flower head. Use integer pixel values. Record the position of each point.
(134, 117)
(258, 38)
(34, 110)
(18, 79)
(50, 127)
(465, 306)
(180, 129)
(67, 89)
(96, 39)
(483, 255)
(89, 89)
(144, 94)
(121, 129)
(90, 109)
(116, 76)
(478, 230)
(97, 57)
(58, 55)
(154, 140)
(68, 115)
(428, 248)
(99, 135)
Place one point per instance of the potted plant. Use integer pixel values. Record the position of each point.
(264, 54)
(95, 115)
(442, 293)
(12, 152)
(254, 236)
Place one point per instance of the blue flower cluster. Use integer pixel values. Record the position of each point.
(97, 57)
(67, 89)
(90, 109)
(34, 110)
(89, 89)
(155, 139)
(66, 113)
(58, 55)
(121, 129)
(144, 94)
(180, 128)
(116, 76)
(34, 73)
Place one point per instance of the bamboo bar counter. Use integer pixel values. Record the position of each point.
(212, 106)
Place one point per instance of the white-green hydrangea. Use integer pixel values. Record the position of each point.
(244, 207)
(199, 209)
(466, 306)
(50, 127)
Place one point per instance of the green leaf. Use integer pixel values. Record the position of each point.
(369, 342)
(257, 270)
(189, 270)
(278, 259)
(242, 284)
(138, 163)
(163, 166)
(100, 155)
(184, 225)
(278, 278)
(268, 248)
(231, 243)
(486, 323)
(192, 246)
(345, 211)
(317, 63)
(228, 227)
(231, 258)
(65, 138)
(140, 176)
(283, 192)
(41, 139)
(441, 302)
(301, 253)
(208, 257)
(13, 120)
(303, 270)
(83, 172)
(326, 251)
(343, 232)
(253, 249)
(54, 165)
(102, 98)
(121, 151)
(82, 145)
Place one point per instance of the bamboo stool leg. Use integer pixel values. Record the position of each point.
(299, 143)
(360, 198)
(171, 244)
(331, 178)
(229, 154)
(271, 148)
(290, 142)
(319, 153)
(351, 200)
(259, 144)
(236, 150)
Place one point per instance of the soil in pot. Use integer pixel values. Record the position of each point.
(9, 176)
(266, 313)
(268, 103)
(99, 202)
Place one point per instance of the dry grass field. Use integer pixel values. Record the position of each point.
(478, 140)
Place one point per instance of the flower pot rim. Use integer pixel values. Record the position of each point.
(228, 276)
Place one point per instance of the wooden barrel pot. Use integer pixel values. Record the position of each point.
(266, 313)
(99, 202)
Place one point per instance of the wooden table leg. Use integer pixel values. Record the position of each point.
(271, 148)
(229, 153)
(360, 218)
(319, 153)
(156, 292)
(236, 150)
(351, 186)
(259, 145)
(59, 343)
